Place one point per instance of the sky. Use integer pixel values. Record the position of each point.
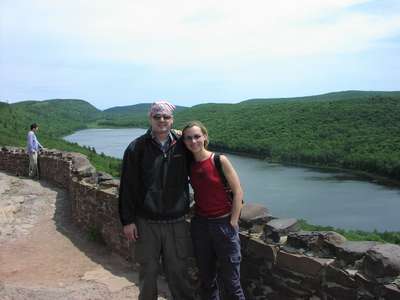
(124, 52)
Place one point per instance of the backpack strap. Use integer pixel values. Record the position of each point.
(218, 165)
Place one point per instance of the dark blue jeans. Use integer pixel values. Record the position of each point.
(217, 249)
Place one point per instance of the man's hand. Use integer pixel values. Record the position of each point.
(131, 232)
(178, 132)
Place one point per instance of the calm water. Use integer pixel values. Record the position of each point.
(324, 198)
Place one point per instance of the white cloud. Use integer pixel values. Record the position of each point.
(205, 33)
(186, 32)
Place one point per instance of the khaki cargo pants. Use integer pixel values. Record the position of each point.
(33, 165)
(171, 242)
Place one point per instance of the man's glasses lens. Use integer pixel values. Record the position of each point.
(165, 117)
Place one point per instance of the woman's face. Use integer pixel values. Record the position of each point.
(194, 139)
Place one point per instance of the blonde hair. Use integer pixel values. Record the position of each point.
(197, 124)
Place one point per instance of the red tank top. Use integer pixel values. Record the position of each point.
(211, 199)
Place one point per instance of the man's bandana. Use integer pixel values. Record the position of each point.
(161, 107)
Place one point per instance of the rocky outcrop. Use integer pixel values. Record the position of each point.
(382, 261)
(276, 229)
(253, 217)
(320, 243)
(279, 261)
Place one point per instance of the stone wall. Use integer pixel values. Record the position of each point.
(279, 261)
(93, 195)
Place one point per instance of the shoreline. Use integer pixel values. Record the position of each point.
(357, 174)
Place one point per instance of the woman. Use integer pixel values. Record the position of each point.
(215, 230)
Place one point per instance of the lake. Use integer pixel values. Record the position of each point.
(324, 198)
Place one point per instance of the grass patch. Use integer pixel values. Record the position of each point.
(392, 237)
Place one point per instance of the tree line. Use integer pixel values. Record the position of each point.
(358, 134)
(361, 134)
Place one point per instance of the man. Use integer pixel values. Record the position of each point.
(33, 147)
(153, 201)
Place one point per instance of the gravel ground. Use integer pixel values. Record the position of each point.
(43, 255)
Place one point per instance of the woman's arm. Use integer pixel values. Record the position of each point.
(234, 183)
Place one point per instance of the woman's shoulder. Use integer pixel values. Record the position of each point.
(223, 158)
(220, 158)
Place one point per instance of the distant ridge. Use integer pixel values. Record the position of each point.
(352, 130)
(142, 108)
(55, 101)
(342, 95)
(136, 109)
(356, 130)
(56, 117)
(70, 109)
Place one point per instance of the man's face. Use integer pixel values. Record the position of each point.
(161, 123)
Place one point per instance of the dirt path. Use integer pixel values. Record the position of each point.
(44, 256)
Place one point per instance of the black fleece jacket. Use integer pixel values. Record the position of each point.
(154, 185)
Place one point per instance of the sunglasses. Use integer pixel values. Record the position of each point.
(195, 137)
(165, 117)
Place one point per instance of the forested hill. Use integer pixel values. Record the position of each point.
(359, 133)
(355, 130)
(136, 109)
(58, 117)
(344, 95)
(128, 116)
